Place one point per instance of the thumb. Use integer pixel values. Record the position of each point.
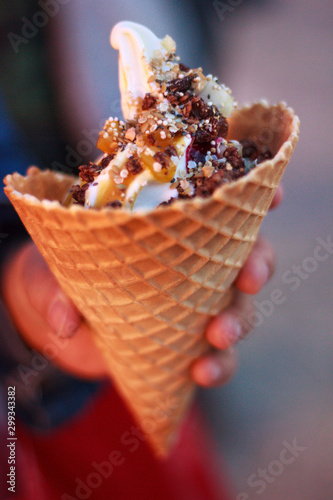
(45, 294)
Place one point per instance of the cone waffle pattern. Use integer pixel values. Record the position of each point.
(148, 283)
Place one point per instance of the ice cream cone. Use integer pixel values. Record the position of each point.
(149, 282)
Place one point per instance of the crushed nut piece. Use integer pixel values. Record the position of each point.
(130, 134)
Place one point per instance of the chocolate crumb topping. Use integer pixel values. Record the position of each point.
(223, 127)
(180, 84)
(165, 203)
(89, 172)
(133, 165)
(170, 150)
(214, 171)
(234, 158)
(106, 160)
(205, 186)
(251, 151)
(151, 139)
(204, 135)
(114, 204)
(199, 109)
(264, 155)
(148, 102)
(162, 158)
(212, 128)
(183, 67)
(79, 193)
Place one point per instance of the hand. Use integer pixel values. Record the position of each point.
(229, 327)
(48, 320)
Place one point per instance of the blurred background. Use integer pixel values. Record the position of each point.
(283, 388)
(58, 84)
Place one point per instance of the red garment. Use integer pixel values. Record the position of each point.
(74, 461)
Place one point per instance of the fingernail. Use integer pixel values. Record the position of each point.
(214, 371)
(62, 318)
(264, 271)
(232, 329)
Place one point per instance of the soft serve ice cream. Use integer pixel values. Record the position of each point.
(172, 143)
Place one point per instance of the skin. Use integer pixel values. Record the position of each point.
(46, 318)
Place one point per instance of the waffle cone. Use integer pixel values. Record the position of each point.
(148, 282)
